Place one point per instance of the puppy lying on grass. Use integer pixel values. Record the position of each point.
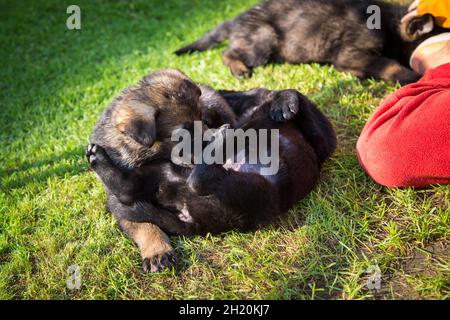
(130, 152)
(330, 32)
(134, 131)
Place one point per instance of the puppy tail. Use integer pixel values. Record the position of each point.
(210, 40)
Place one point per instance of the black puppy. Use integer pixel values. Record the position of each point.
(323, 31)
(215, 198)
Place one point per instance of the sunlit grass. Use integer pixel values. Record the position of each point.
(55, 83)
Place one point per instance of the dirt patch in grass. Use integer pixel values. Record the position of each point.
(422, 263)
(424, 259)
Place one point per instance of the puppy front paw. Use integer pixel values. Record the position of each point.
(285, 106)
(95, 154)
(240, 70)
(159, 262)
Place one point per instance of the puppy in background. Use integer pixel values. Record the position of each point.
(322, 31)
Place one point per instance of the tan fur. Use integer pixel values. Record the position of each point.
(122, 116)
(391, 71)
(150, 239)
(237, 67)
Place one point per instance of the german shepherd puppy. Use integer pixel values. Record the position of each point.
(322, 31)
(134, 130)
(204, 198)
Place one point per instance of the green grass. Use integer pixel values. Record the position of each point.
(54, 84)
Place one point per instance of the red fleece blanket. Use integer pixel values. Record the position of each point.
(406, 142)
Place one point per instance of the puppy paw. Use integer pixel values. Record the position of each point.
(240, 70)
(408, 77)
(285, 106)
(185, 216)
(159, 262)
(95, 154)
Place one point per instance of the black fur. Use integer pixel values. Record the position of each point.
(210, 198)
(322, 31)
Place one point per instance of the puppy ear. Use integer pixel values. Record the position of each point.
(417, 26)
(141, 131)
(137, 121)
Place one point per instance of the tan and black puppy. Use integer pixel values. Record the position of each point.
(137, 126)
(337, 32)
(135, 131)
(205, 198)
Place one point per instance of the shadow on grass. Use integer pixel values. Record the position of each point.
(48, 68)
(47, 58)
(45, 167)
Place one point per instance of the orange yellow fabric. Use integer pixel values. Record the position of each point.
(440, 9)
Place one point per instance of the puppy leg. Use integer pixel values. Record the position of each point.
(364, 65)
(290, 105)
(315, 127)
(145, 211)
(156, 251)
(232, 58)
(390, 70)
(124, 186)
(284, 104)
(250, 49)
(243, 101)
